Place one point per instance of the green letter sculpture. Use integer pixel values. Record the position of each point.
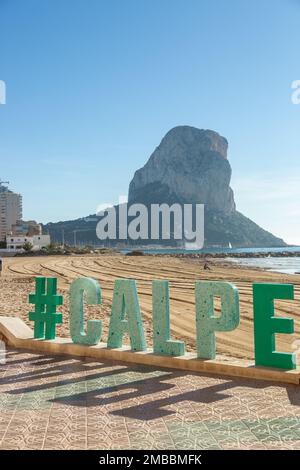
(162, 344)
(266, 325)
(125, 300)
(206, 322)
(45, 308)
(93, 297)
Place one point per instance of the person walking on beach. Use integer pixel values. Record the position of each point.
(1, 264)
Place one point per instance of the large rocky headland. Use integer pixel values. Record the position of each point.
(189, 166)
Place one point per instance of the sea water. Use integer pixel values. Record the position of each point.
(287, 265)
(282, 264)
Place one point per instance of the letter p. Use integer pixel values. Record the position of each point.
(206, 321)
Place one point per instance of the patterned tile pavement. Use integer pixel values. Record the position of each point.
(63, 403)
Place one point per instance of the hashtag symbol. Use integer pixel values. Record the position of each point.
(45, 298)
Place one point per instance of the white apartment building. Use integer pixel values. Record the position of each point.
(10, 210)
(15, 243)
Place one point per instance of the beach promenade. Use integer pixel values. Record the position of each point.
(63, 403)
(60, 402)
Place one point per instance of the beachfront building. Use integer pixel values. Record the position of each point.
(15, 231)
(26, 227)
(10, 210)
(16, 243)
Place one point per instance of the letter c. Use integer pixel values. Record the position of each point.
(93, 297)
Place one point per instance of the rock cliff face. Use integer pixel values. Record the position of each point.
(189, 166)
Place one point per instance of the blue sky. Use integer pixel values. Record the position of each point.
(93, 86)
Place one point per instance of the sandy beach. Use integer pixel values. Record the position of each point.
(18, 276)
